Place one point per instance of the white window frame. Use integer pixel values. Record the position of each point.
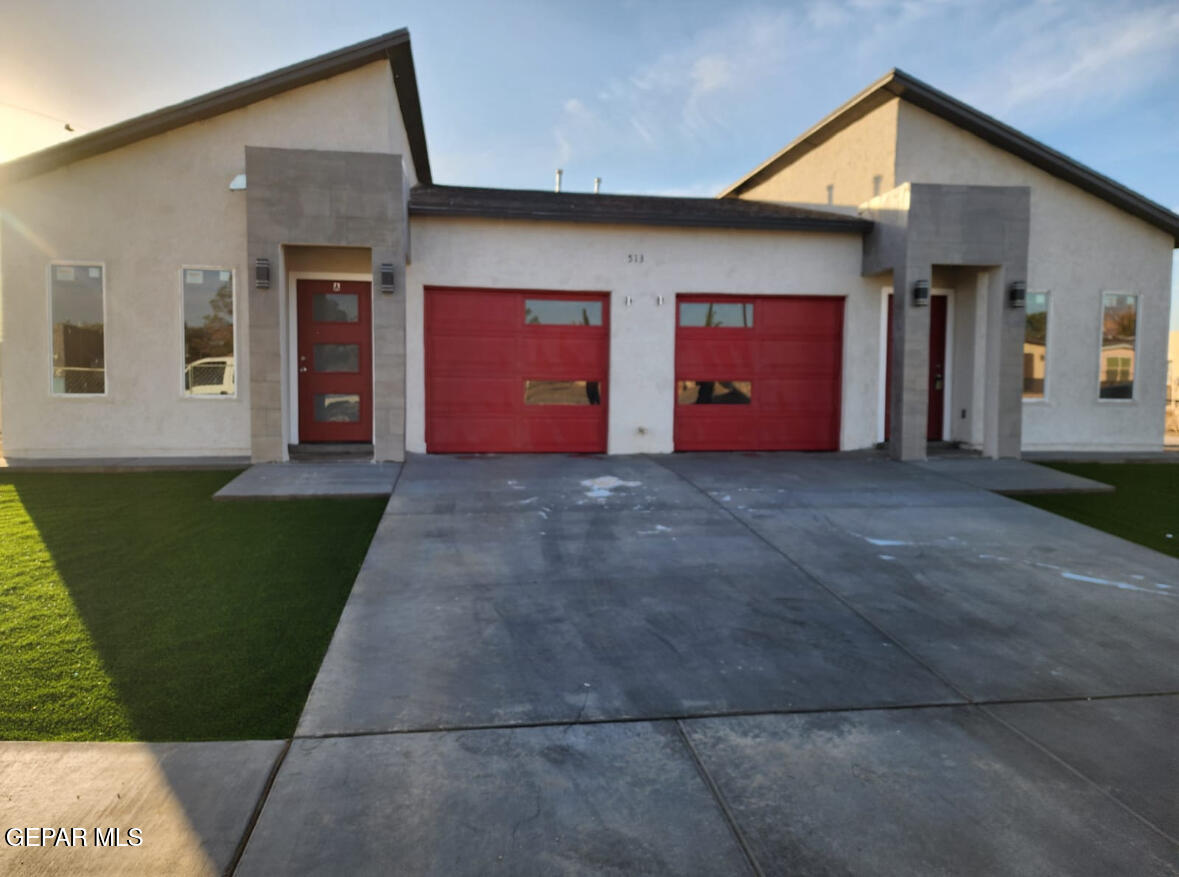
(1043, 398)
(202, 397)
(1101, 343)
(85, 263)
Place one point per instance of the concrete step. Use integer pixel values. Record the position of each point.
(323, 452)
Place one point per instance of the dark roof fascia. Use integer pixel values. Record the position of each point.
(393, 47)
(679, 212)
(901, 85)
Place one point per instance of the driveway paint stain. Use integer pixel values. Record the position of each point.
(601, 487)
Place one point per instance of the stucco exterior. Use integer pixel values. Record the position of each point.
(1078, 247)
(144, 211)
(849, 162)
(327, 148)
(562, 256)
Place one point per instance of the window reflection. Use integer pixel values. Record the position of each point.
(557, 312)
(208, 332)
(1119, 328)
(714, 392)
(337, 357)
(562, 393)
(728, 315)
(335, 307)
(1035, 345)
(336, 408)
(79, 354)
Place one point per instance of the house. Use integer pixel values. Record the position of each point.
(272, 266)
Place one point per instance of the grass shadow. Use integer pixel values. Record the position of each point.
(134, 607)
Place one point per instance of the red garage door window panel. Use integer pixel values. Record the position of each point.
(516, 371)
(778, 373)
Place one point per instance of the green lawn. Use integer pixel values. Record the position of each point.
(1144, 509)
(133, 607)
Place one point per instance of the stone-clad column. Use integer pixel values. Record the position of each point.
(909, 393)
(388, 359)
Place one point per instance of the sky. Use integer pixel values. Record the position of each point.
(677, 97)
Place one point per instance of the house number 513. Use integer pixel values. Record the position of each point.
(634, 258)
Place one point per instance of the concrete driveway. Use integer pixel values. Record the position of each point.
(714, 664)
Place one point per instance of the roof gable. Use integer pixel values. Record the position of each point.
(898, 84)
(393, 47)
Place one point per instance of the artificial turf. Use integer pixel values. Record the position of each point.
(1144, 508)
(133, 607)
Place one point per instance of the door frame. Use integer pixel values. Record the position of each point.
(292, 302)
(882, 371)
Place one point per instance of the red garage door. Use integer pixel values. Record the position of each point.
(515, 370)
(758, 373)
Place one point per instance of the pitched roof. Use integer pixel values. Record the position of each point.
(393, 47)
(898, 84)
(427, 200)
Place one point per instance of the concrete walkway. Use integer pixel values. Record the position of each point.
(709, 664)
(335, 480)
(1011, 477)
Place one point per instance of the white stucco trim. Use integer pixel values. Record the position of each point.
(236, 365)
(291, 316)
(948, 377)
(1101, 343)
(106, 384)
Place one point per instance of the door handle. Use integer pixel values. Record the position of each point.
(302, 369)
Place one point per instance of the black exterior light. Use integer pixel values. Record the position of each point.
(261, 274)
(921, 294)
(1017, 294)
(388, 278)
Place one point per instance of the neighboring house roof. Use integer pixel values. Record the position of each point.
(393, 47)
(627, 209)
(897, 83)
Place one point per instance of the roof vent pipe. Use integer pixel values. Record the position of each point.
(597, 185)
(557, 188)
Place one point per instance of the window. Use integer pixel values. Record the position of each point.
(76, 317)
(336, 408)
(208, 332)
(1035, 345)
(714, 393)
(1119, 330)
(562, 393)
(714, 314)
(560, 312)
(335, 307)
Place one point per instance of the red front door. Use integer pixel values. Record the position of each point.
(935, 414)
(335, 361)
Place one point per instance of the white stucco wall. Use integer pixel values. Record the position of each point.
(1079, 247)
(848, 162)
(575, 256)
(144, 211)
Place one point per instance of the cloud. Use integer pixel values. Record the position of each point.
(1064, 57)
(681, 94)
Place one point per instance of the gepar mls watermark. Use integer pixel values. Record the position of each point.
(74, 836)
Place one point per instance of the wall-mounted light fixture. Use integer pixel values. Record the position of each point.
(1017, 294)
(388, 278)
(921, 294)
(261, 274)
